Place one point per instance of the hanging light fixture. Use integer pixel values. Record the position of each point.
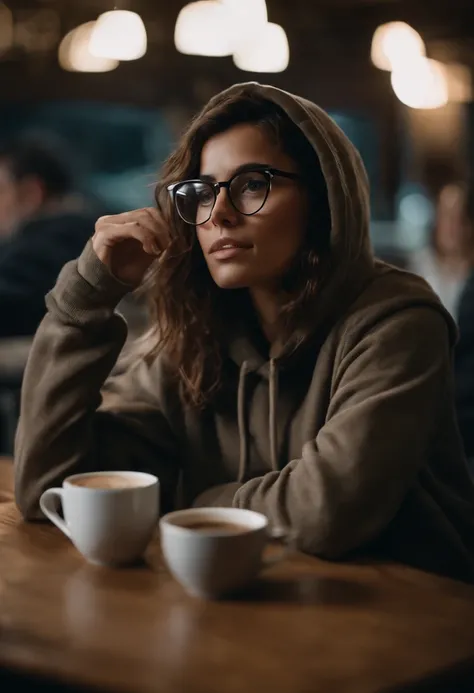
(74, 54)
(269, 53)
(394, 44)
(204, 28)
(248, 17)
(119, 35)
(422, 84)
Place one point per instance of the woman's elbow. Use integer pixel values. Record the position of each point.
(333, 539)
(27, 499)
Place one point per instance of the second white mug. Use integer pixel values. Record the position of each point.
(215, 551)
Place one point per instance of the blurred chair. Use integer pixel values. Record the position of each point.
(13, 358)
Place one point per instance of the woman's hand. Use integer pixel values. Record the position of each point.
(128, 243)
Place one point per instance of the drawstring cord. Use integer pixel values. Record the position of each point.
(272, 419)
(243, 438)
(272, 415)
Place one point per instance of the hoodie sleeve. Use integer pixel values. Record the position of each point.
(352, 478)
(68, 424)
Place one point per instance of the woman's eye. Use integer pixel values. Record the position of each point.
(253, 185)
(205, 197)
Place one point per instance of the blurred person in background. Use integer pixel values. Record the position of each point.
(464, 354)
(445, 264)
(287, 371)
(43, 224)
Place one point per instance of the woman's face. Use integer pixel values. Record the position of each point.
(270, 239)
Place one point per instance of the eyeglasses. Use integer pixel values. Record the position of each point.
(248, 191)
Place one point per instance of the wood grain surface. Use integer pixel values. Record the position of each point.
(305, 626)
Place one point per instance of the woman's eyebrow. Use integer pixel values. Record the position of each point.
(250, 166)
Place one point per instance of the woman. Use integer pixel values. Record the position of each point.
(289, 372)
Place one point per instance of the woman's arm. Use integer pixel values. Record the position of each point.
(352, 478)
(65, 427)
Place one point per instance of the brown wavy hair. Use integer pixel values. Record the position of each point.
(189, 311)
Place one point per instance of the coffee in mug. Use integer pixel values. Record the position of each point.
(215, 551)
(109, 516)
(213, 526)
(104, 480)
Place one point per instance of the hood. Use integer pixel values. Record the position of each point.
(348, 194)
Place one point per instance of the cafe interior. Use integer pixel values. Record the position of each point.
(110, 85)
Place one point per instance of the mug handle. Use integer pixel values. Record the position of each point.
(49, 509)
(288, 538)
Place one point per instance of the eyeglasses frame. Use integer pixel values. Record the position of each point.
(217, 186)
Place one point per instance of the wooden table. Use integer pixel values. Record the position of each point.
(307, 627)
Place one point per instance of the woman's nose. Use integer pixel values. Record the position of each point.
(224, 214)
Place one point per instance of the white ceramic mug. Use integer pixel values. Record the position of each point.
(110, 517)
(213, 561)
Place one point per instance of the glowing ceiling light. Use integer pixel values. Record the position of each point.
(394, 44)
(204, 28)
(74, 54)
(267, 52)
(248, 17)
(119, 35)
(422, 84)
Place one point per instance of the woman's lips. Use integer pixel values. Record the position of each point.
(229, 252)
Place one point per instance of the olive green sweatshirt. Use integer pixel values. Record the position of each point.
(349, 440)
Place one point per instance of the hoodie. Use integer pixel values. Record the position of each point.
(345, 437)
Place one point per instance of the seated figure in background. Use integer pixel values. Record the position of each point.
(287, 371)
(446, 262)
(42, 226)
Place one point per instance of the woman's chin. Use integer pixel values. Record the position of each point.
(231, 280)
